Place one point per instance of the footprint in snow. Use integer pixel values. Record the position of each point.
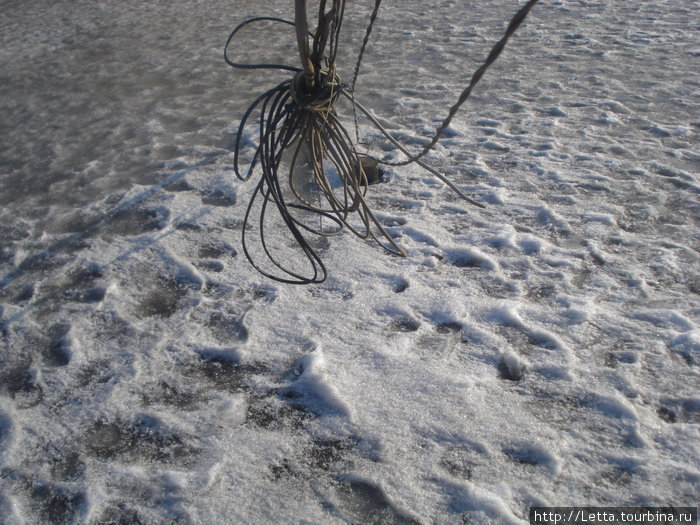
(470, 258)
(511, 366)
(312, 388)
(442, 340)
(227, 327)
(222, 369)
(5, 431)
(403, 322)
(363, 502)
(462, 460)
(276, 412)
(22, 384)
(398, 284)
(163, 300)
(137, 221)
(178, 186)
(119, 512)
(219, 198)
(144, 439)
(533, 454)
(52, 503)
(679, 410)
(58, 352)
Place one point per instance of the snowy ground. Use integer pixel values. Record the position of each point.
(543, 351)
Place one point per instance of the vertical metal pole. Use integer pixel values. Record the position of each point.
(302, 29)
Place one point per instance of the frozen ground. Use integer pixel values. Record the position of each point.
(542, 351)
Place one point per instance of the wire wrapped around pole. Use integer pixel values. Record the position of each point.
(302, 29)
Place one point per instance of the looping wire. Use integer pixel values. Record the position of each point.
(297, 118)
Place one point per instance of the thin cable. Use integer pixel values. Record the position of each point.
(515, 22)
(403, 150)
(365, 40)
(368, 32)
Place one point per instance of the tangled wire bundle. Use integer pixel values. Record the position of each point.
(300, 133)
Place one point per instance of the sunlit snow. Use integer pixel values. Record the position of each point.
(541, 351)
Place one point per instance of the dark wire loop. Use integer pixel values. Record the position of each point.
(240, 65)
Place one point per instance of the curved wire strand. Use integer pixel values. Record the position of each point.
(495, 52)
(240, 65)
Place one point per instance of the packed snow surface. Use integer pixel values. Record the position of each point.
(542, 351)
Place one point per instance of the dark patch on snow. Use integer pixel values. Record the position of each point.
(119, 514)
(272, 412)
(56, 504)
(404, 323)
(145, 438)
(218, 198)
(22, 385)
(222, 370)
(227, 328)
(363, 502)
(137, 221)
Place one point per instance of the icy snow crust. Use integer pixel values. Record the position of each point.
(543, 351)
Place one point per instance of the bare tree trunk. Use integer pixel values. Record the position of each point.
(302, 29)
